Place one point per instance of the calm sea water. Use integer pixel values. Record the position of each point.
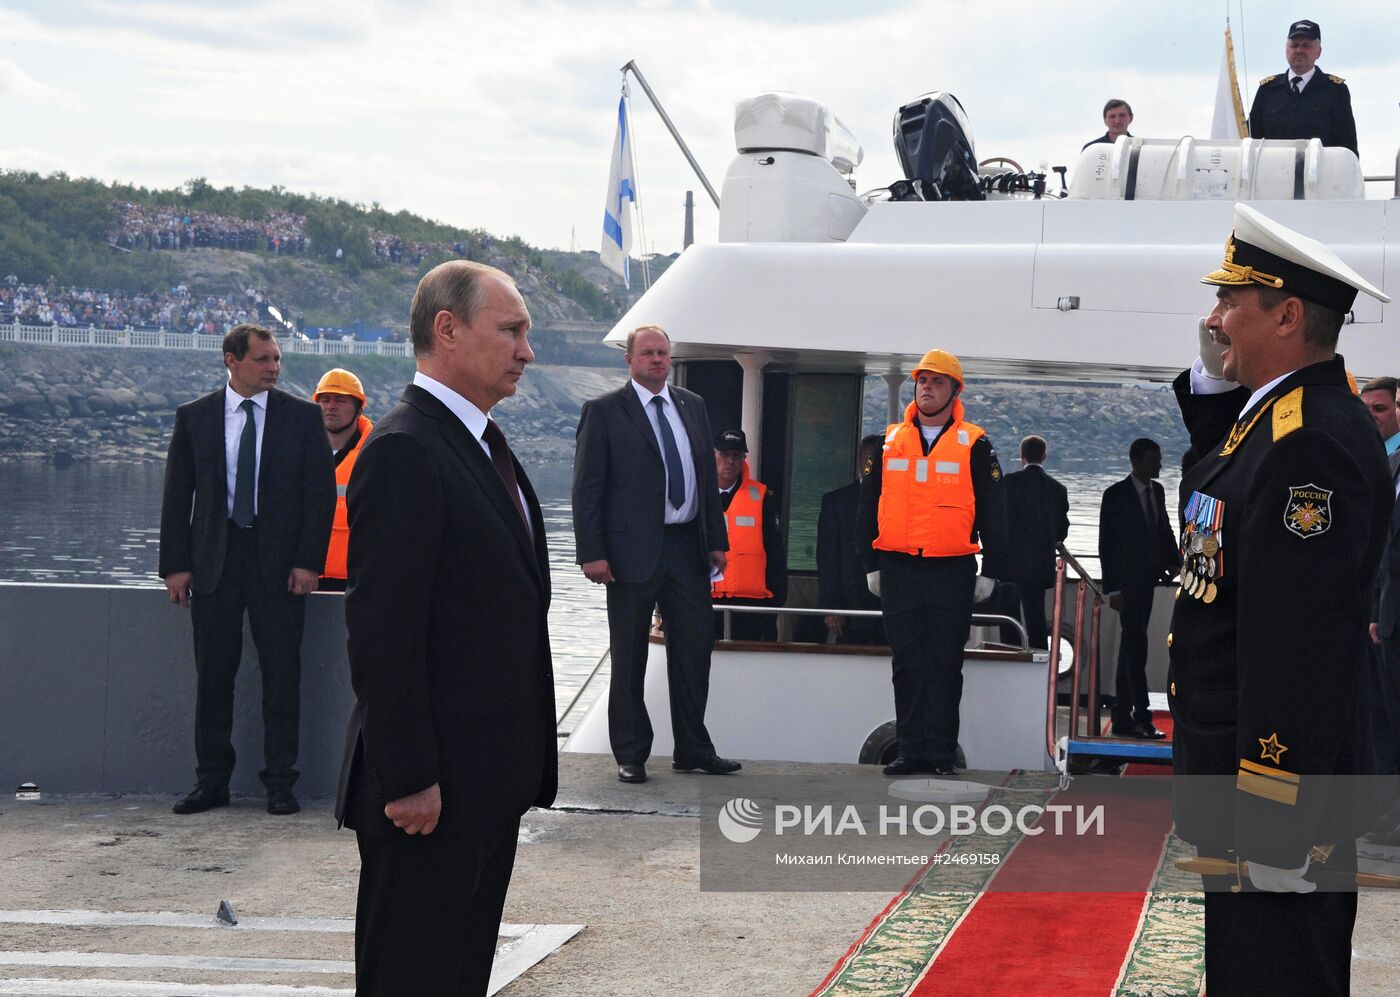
(100, 524)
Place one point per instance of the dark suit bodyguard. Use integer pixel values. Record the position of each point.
(1284, 517)
(244, 523)
(1137, 549)
(452, 735)
(648, 525)
(1037, 518)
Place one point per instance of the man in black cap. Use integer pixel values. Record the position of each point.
(755, 573)
(1304, 102)
(1284, 517)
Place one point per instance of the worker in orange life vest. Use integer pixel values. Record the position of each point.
(756, 571)
(931, 502)
(342, 399)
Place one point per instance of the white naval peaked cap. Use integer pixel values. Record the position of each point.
(1261, 251)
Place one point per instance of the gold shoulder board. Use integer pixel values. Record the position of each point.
(1335, 79)
(1268, 79)
(1288, 414)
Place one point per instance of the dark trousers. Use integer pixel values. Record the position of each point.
(1384, 696)
(1280, 943)
(1130, 689)
(680, 587)
(429, 910)
(276, 620)
(928, 612)
(1032, 602)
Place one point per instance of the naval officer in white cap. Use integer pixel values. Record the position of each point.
(1284, 516)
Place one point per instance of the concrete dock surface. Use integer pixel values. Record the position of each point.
(621, 860)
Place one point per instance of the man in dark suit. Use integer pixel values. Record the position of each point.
(1304, 102)
(452, 735)
(648, 525)
(1286, 515)
(840, 569)
(1384, 689)
(1136, 550)
(1037, 517)
(244, 523)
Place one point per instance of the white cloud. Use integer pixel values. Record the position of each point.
(501, 116)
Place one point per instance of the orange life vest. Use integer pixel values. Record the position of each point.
(927, 505)
(746, 566)
(340, 527)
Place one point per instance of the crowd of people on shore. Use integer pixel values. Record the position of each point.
(282, 233)
(175, 310)
(150, 227)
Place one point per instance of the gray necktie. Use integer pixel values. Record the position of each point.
(675, 476)
(246, 479)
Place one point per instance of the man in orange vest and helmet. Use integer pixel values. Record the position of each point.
(342, 399)
(928, 505)
(756, 571)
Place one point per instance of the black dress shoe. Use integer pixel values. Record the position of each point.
(201, 800)
(1146, 732)
(904, 765)
(632, 772)
(943, 769)
(714, 765)
(282, 802)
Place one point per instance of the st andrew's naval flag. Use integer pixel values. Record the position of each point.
(622, 195)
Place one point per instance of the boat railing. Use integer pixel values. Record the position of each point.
(978, 619)
(1085, 670)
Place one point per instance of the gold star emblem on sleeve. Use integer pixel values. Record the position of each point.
(1270, 750)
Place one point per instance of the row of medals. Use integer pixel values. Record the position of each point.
(1198, 567)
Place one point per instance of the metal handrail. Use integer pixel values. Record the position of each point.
(581, 689)
(978, 619)
(1083, 585)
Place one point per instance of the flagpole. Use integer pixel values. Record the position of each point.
(1235, 83)
(685, 149)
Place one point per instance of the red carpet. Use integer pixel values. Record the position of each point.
(1062, 942)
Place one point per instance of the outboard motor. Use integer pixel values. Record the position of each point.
(934, 144)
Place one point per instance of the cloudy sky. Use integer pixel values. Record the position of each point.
(501, 115)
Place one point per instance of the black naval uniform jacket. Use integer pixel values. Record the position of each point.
(1268, 648)
(1322, 110)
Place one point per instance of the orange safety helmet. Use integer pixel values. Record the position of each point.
(939, 362)
(339, 381)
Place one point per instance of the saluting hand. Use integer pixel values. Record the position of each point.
(416, 814)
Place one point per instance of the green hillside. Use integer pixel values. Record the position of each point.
(79, 232)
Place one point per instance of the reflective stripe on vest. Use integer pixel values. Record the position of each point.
(927, 504)
(746, 566)
(336, 553)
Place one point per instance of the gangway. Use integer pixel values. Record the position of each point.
(1085, 740)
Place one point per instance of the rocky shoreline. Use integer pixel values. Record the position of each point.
(70, 404)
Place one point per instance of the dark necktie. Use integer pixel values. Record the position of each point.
(675, 477)
(1297, 83)
(245, 480)
(505, 467)
(1148, 509)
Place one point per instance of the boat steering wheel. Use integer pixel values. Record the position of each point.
(1002, 161)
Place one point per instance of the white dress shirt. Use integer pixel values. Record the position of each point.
(234, 418)
(1305, 77)
(471, 417)
(673, 416)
